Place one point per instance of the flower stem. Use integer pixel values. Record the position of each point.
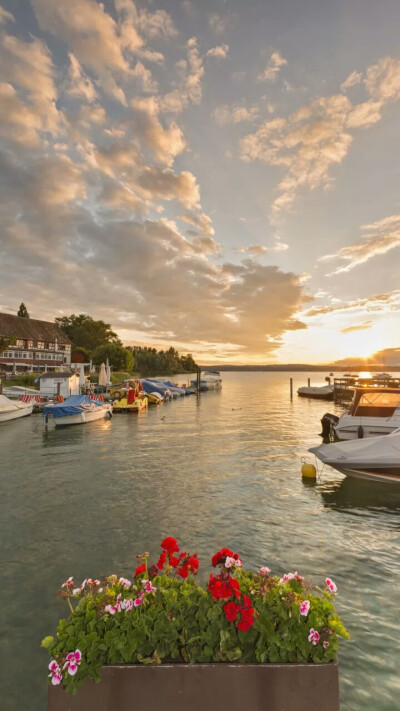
(69, 603)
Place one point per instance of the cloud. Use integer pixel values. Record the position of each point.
(29, 68)
(166, 143)
(232, 114)
(5, 16)
(318, 135)
(79, 83)
(217, 23)
(190, 74)
(353, 79)
(156, 183)
(361, 327)
(383, 236)
(201, 221)
(373, 304)
(255, 250)
(220, 52)
(91, 34)
(271, 71)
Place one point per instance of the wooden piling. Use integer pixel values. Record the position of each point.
(291, 388)
(308, 382)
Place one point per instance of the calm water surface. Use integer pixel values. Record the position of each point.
(221, 470)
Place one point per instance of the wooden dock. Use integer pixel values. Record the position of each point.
(344, 386)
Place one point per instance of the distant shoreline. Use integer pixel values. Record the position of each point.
(300, 367)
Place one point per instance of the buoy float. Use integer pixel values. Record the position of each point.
(309, 471)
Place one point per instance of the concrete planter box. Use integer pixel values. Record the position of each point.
(198, 687)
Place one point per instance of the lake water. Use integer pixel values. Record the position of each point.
(221, 470)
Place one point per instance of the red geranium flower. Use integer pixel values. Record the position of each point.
(173, 561)
(231, 610)
(170, 545)
(140, 569)
(161, 561)
(234, 586)
(183, 571)
(219, 588)
(193, 563)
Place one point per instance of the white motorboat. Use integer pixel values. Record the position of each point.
(324, 392)
(373, 412)
(12, 410)
(76, 410)
(209, 380)
(14, 392)
(377, 459)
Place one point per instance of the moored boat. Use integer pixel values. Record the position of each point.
(131, 401)
(76, 410)
(324, 392)
(374, 411)
(377, 459)
(209, 380)
(13, 410)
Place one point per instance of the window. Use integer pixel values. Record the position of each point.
(19, 343)
(40, 344)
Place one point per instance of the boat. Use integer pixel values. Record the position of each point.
(374, 411)
(150, 386)
(132, 401)
(154, 398)
(76, 410)
(377, 458)
(209, 380)
(324, 392)
(13, 410)
(14, 392)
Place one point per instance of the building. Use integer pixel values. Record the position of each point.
(38, 346)
(64, 384)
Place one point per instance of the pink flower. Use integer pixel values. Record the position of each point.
(229, 562)
(68, 583)
(126, 583)
(313, 637)
(148, 586)
(330, 585)
(127, 605)
(305, 607)
(83, 583)
(112, 609)
(55, 673)
(76, 591)
(326, 644)
(264, 570)
(72, 662)
(139, 600)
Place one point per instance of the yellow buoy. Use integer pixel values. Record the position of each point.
(309, 471)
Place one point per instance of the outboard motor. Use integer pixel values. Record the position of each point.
(328, 421)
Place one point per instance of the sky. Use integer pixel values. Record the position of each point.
(214, 175)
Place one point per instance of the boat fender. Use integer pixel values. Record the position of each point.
(117, 395)
(83, 419)
(109, 413)
(360, 432)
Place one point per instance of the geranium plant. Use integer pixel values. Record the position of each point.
(164, 615)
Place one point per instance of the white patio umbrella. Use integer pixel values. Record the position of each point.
(103, 375)
(82, 381)
(108, 372)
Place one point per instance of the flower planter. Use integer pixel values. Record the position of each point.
(186, 687)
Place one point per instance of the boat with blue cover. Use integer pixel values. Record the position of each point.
(76, 410)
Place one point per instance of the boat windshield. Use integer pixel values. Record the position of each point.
(375, 404)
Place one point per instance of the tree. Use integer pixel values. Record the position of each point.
(6, 342)
(80, 355)
(119, 358)
(85, 332)
(23, 311)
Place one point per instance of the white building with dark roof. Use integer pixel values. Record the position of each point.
(37, 345)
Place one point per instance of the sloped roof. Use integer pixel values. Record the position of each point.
(30, 329)
(53, 374)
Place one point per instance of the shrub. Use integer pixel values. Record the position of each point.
(164, 615)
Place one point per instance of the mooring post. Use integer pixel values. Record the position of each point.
(198, 379)
(291, 388)
(308, 382)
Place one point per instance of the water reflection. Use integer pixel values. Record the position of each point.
(349, 493)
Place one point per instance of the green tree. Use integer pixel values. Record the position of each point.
(6, 343)
(87, 333)
(80, 355)
(23, 311)
(119, 358)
